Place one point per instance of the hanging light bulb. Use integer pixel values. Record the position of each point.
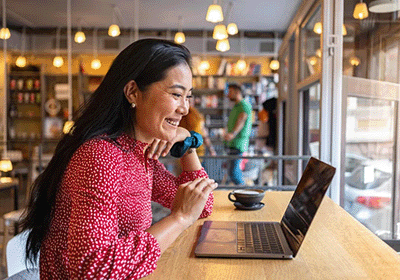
(114, 30)
(360, 11)
(58, 61)
(313, 60)
(21, 61)
(95, 64)
(5, 165)
(214, 13)
(355, 61)
(318, 53)
(179, 38)
(5, 33)
(274, 64)
(232, 29)
(80, 37)
(204, 66)
(241, 65)
(318, 28)
(344, 30)
(223, 45)
(220, 32)
(67, 126)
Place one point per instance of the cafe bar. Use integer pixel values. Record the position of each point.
(214, 139)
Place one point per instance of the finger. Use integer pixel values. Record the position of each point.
(203, 183)
(153, 147)
(167, 149)
(160, 149)
(210, 187)
(191, 182)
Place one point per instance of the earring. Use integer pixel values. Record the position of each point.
(133, 105)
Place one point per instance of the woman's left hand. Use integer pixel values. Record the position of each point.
(161, 147)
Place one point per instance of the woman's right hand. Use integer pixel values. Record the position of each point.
(191, 198)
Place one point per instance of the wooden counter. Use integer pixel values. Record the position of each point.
(336, 247)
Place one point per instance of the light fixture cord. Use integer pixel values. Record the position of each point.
(95, 43)
(204, 42)
(69, 35)
(241, 44)
(58, 41)
(5, 84)
(23, 41)
(180, 23)
(228, 11)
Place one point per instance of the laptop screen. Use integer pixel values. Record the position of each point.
(305, 201)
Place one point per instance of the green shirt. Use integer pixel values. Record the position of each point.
(241, 141)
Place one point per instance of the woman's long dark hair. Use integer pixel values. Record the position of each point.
(107, 112)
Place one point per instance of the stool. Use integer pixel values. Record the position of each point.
(10, 218)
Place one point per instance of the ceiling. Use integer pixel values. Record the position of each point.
(257, 15)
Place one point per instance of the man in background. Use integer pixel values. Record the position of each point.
(238, 131)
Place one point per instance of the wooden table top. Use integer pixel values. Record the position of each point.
(336, 247)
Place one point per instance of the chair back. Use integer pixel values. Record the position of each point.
(16, 254)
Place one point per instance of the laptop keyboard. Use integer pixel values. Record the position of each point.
(258, 238)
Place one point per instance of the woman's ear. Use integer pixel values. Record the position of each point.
(131, 91)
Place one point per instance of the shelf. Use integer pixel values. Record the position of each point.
(26, 118)
(207, 91)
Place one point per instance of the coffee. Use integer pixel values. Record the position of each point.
(247, 197)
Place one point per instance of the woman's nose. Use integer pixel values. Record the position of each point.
(183, 107)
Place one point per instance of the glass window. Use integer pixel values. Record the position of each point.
(370, 138)
(310, 46)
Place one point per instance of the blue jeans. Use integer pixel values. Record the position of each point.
(234, 170)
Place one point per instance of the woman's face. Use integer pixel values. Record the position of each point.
(161, 106)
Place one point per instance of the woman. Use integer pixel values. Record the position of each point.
(90, 211)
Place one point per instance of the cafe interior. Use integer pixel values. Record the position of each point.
(323, 81)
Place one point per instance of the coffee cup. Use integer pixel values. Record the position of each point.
(247, 197)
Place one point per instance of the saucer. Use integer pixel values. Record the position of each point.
(256, 206)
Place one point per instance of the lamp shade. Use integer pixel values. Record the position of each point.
(318, 53)
(313, 60)
(318, 27)
(5, 33)
(384, 6)
(214, 14)
(179, 38)
(113, 30)
(274, 64)
(58, 61)
(220, 32)
(355, 61)
(80, 37)
(223, 45)
(5, 165)
(95, 64)
(21, 61)
(232, 29)
(360, 11)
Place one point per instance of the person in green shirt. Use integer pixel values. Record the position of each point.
(238, 131)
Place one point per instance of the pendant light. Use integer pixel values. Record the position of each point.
(204, 64)
(179, 36)
(231, 28)
(95, 64)
(313, 60)
(4, 31)
(5, 167)
(355, 61)
(214, 13)
(384, 6)
(274, 64)
(241, 64)
(58, 60)
(344, 30)
(318, 27)
(21, 60)
(220, 32)
(114, 30)
(79, 35)
(223, 45)
(360, 11)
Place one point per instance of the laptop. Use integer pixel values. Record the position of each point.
(270, 240)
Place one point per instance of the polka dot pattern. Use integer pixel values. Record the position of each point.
(102, 210)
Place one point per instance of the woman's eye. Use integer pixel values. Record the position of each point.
(189, 96)
(177, 95)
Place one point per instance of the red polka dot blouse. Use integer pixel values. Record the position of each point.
(102, 210)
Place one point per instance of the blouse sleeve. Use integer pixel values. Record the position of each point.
(95, 251)
(165, 185)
